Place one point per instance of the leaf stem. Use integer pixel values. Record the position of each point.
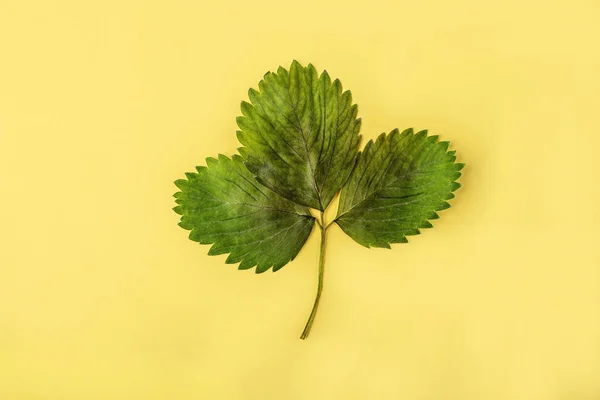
(311, 318)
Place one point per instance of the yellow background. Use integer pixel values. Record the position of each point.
(102, 296)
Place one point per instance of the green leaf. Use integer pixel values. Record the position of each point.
(300, 134)
(398, 184)
(223, 204)
(300, 138)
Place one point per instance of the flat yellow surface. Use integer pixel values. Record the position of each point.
(103, 104)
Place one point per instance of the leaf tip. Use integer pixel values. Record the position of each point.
(186, 227)
(246, 108)
(426, 225)
(421, 134)
(242, 150)
(337, 85)
(455, 186)
(326, 80)
(312, 71)
(434, 139)
(253, 95)
(443, 206)
(181, 184)
(406, 132)
(246, 264)
(433, 215)
(211, 161)
(260, 268)
(277, 267)
(444, 145)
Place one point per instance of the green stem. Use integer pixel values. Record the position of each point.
(311, 318)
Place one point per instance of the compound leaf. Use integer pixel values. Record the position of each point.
(398, 184)
(300, 138)
(301, 134)
(222, 204)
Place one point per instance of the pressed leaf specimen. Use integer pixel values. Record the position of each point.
(300, 137)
